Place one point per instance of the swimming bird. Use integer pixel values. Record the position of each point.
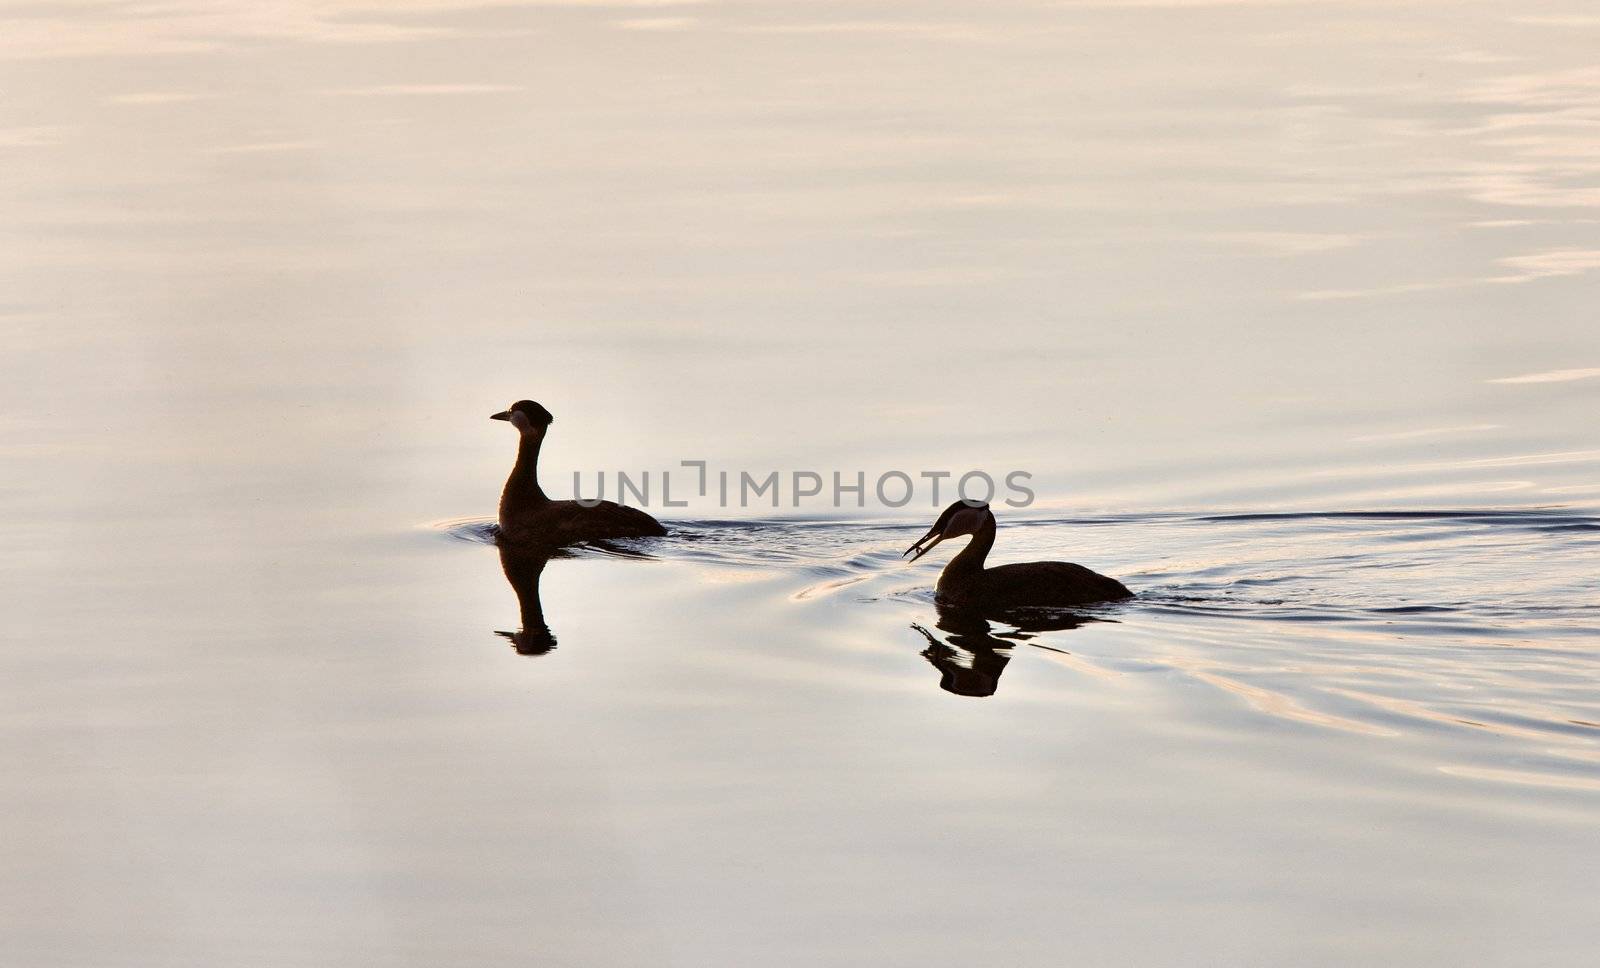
(529, 518)
(965, 581)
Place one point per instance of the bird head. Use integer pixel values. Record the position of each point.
(526, 416)
(958, 519)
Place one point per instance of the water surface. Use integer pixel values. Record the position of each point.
(1287, 307)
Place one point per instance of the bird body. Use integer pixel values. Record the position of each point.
(1032, 583)
(528, 517)
(966, 582)
(557, 523)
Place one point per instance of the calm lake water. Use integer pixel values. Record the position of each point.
(1287, 308)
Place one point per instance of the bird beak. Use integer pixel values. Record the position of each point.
(502, 415)
(920, 548)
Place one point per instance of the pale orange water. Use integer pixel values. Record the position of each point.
(1226, 278)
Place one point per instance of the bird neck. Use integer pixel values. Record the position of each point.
(522, 487)
(971, 558)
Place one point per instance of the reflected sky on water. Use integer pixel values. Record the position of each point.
(1214, 273)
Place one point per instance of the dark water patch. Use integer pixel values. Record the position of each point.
(1224, 611)
(1551, 514)
(1268, 580)
(1552, 520)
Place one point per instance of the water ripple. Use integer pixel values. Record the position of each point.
(1383, 624)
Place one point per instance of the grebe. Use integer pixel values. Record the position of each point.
(529, 518)
(1033, 583)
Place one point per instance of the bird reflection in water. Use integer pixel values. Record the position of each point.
(971, 657)
(524, 566)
